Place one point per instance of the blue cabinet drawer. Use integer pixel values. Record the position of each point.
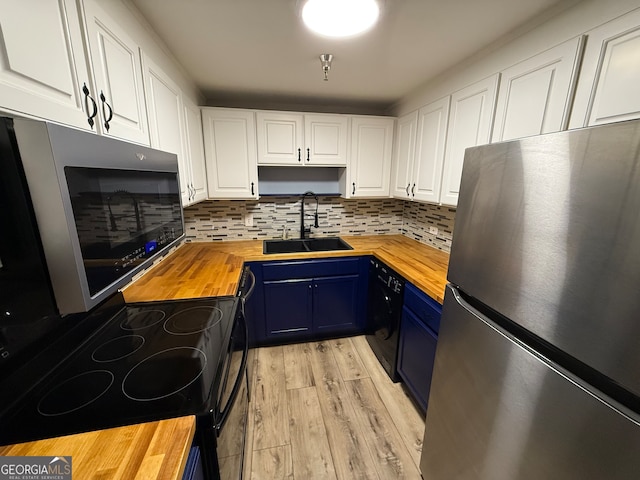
(423, 307)
(310, 268)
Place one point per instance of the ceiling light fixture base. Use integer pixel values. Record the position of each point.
(325, 61)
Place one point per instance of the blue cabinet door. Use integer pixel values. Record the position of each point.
(288, 307)
(305, 299)
(416, 353)
(335, 303)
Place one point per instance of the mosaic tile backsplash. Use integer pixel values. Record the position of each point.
(219, 220)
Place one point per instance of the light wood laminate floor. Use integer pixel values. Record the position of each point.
(327, 410)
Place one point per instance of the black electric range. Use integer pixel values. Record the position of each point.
(145, 362)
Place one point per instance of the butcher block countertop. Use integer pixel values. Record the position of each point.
(203, 269)
(150, 451)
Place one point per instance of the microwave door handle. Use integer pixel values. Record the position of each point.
(224, 414)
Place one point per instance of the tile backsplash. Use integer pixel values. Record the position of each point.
(418, 217)
(219, 220)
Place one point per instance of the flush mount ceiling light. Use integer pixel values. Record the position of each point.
(340, 18)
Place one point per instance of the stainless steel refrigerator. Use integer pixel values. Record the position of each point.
(537, 370)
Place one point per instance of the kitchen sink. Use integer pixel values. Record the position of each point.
(309, 245)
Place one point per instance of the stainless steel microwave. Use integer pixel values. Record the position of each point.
(104, 208)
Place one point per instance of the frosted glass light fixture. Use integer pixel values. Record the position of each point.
(340, 18)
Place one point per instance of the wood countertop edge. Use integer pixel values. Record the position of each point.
(154, 450)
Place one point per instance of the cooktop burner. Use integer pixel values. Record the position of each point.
(143, 362)
(86, 387)
(117, 348)
(136, 319)
(193, 320)
(164, 373)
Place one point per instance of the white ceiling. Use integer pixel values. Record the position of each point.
(235, 49)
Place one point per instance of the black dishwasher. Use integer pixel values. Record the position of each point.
(384, 313)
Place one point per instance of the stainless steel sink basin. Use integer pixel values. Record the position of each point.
(309, 245)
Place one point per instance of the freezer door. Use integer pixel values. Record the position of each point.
(547, 234)
(498, 411)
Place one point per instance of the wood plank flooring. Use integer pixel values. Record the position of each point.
(327, 410)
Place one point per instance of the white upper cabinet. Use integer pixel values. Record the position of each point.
(608, 89)
(118, 86)
(326, 139)
(230, 152)
(403, 155)
(430, 143)
(167, 121)
(370, 161)
(535, 95)
(288, 138)
(175, 126)
(165, 110)
(419, 152)
(280, 138)
(470, 123)
(43, 65)
(196, 182)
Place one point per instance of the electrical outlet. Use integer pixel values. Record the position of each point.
(248, 219)
(433, 230)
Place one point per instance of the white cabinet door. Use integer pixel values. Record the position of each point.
(535, 95)
(470, 122)
(197, 186)
(166, 117)
(117, 72)
(280, 138)
(230, 152)
(289, 138)
(431, 137)
(608, 89)
(403, 155)
(43, 65)
(370, 162)
(325, 140)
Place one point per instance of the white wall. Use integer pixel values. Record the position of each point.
(537, 37)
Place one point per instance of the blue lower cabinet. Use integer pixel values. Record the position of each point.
(288, 307)
(254, 308)
(193, 467)
(417, 344)
(335, 303)
(306, 299)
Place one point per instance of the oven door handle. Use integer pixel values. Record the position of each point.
(245, 295)
(224, 414)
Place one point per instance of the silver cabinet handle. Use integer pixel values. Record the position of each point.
(354, 189)
(407, 189)
(412, 190)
